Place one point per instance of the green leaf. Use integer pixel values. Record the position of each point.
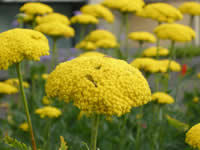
(14, 143)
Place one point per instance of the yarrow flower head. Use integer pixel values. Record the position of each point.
(142, 37)
(191, 8)
(24, 127)
(98, 11)
(15, 82)
(53, 17)
(152, 52)
(84, 19)
(177, 124)
(48, 112)
(161, 12)
(46, 101)
(155, 66)
(55, 29)
(36, 8)
(195, 99)
(86, 45)
(98, 39)
(7, 89)
(193, 136)
(18, 44)
(101, 85)
(175, 32)
(124, 6)
(162, 98)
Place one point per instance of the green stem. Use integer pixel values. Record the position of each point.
(54, 54)
(172, 56)
(82, 32)
(47, 135)
(157, 47)
(18, 69)
(126, 35)
(95, 124)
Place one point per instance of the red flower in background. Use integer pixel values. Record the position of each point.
(184, 69)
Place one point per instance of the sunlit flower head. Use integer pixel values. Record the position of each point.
(36, 8)
(19, 44)
(193, 136)
(46, 100)
(15, 82)
(101, 85)
(142, 37)
(162, 98)
(55, 29)
(84, 19)
(191, 8)
(24, 127)
(86, 45)
(45, 76)
(124, 6)
(7, 89)
(195, 99)
(53, 17)
(48, 112)
(175, 32)
(161, 12)
(98, 11)
(152, 52)
(177, 124)
(154, 66)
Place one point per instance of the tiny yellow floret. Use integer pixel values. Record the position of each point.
(24, 127)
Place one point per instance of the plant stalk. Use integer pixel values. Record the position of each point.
(94, 132)
(18, 69)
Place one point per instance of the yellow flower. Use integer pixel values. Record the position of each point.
(195, 99)
(191, 8)
(124, 6)
(15, 82)
(142, 36)
(88, 54)
(154, 66)
(107, 43)
(162, 98)
(161, 12)
(7, 89)
(175, 32)
(35, 8)
(84, 19)
(53, 17)
(86, 45)
(49, 112)
(45, 76)
(63, 144)
(152, 52)
(46, 101)
(24, 126)
(100, 34)
(177, 124)
(193, 136)
(18, 44)
(101, 85)
(55, 29)
(198, 75)
(98, 11)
